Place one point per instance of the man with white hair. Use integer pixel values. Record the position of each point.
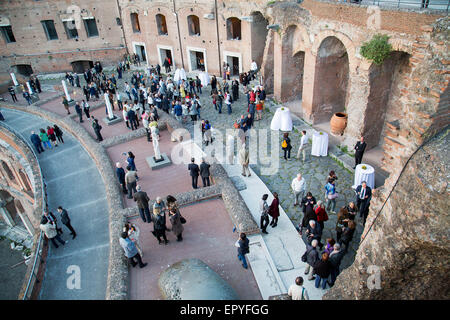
(142, 202)
(312, 256)
(298, 187)
(314, 232)
(120, 173)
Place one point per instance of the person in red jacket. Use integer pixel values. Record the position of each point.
(274, 210)
(52, 136)
(321, 213)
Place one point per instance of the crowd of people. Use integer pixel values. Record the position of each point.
(147, 94)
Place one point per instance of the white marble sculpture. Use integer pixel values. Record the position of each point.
(155, 140)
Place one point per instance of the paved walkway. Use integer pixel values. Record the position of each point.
(73, 182)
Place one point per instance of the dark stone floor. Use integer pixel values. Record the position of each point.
(11, 279)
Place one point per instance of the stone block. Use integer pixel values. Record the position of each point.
(154, 164)
(72, 103)
(239, 183)
(112, 121)
(192, 279)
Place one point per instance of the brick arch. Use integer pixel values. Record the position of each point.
(300, 33)
(346, 41)
(333, 75)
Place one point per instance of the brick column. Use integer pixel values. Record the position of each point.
(309, 72)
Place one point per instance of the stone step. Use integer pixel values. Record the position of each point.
(278, 252)
(264, 269)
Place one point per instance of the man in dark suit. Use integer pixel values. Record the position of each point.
(363, 197)
(120, 173)
(142, 202)
(194, 169)
(204, 173)
(65, 219)
(359, 151)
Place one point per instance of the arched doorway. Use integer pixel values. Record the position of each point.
(384, 98)
(82, 65)
(8, 171)
(293, 64)
(331, 80)
(262, 48)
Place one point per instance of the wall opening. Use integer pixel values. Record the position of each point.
(197, 59)
(140, 51)
(293, 66)
(165, 53)
(8, 34)
(91, 27)
(258, 35)
(161, 25)
(49, 29)
(233, 29)
(8, 171)
(193, 25)
(82, 65)
(71, 29)
(23, 69)
(384, 98)
(331, 81)
(135, 22)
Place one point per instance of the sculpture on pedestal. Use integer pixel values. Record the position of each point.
(155, 139)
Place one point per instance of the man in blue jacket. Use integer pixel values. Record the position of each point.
(120, 173)
(36, 142)
(131, 251)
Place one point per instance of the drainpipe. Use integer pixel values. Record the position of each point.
(121, 26)
(218, 40)
(179, 34)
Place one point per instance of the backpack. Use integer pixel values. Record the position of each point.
(284, 144)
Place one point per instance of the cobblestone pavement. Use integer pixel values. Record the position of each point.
(314, 171)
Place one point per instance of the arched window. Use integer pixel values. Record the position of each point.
(135, 22)
(233, 29)
(25, 181)
(193, 25)
(8, 170)
(161, 24)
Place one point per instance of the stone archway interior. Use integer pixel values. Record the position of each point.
(259, 35)
(24, 69)
(82, 65)
(293, 65)
(331, 80)
(384, 99)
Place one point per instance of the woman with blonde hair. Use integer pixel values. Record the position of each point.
(159, 220)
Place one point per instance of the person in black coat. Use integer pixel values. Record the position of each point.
(58, 133)
(363, 197)
(65, 219)
(347, 234)
(79, 112)
(287, 145)
(159, 225)
(194, 172)
(132, 118)
(120, 173)
(97, 128)
(204, 173)
(359, 151)
(322, 270)
(243, 249)
(36, 142)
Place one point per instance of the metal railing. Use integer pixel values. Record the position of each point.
(37, 254)
(438, 5)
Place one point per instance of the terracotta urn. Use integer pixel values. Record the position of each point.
(338, 123)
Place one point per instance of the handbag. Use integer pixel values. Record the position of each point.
(304, 256)
(332, 196)
(182, 219)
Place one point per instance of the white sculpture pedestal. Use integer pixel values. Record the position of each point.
(155, 164)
